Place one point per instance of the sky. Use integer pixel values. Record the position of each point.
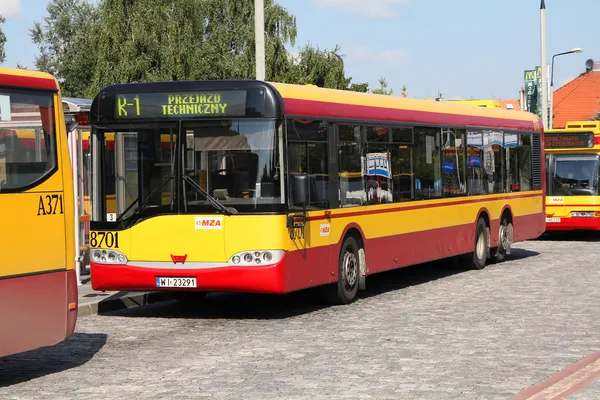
(460, 48)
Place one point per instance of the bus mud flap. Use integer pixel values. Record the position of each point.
(362, 282)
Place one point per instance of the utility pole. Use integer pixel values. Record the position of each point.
(544, 64)
(259, 30)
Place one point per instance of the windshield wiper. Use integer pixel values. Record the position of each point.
(142, 206)
(211, 200)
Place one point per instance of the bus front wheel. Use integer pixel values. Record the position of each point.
(478, 258)
(346, 288)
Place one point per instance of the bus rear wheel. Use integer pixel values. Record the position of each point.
(346, 288)
(505, 239)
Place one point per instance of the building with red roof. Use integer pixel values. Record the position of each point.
(578, 100)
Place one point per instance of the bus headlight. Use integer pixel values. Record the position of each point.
(256, 257)
(102, 256)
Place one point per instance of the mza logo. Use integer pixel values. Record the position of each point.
(325, 229)
(209, 222)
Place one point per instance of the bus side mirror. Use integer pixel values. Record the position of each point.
(72, 125)
(300, 188)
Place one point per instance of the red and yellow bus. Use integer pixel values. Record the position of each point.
(38, 289)
(573, 167)
(266, 187)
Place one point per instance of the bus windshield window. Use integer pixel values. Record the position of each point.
(27, 138)
(237, 162)
(574, 175)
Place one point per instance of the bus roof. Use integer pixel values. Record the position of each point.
(21, 78)
(321, 102)
(309, 101)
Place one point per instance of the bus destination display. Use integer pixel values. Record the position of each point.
(569, 140)
(206, 104)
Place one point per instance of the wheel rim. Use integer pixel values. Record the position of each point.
(350, 269)
(480, 246)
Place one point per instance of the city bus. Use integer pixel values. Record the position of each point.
(273, 188)
(573, 165)
(38, 282)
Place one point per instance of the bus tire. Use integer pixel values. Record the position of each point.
(346, 288)
(478, 258)
(505, 238)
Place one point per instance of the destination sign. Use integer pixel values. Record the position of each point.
(569, 140)
(205, 104)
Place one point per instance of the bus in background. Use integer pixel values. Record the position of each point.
(573, 165)
(38, 284)
(77, 111)
(273, 188)
(478, 103)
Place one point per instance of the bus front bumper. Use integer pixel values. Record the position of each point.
(263, 279)
(572, 224)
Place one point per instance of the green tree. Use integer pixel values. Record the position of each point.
(211, 39)
(2, 41)
(359, 87)
(323, 68)
(383, 88)
(67, 39)
(90, 46)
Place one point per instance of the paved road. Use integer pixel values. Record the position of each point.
(431, 332)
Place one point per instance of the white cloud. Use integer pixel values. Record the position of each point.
(369, 8)
(395, 58)
(10, 8)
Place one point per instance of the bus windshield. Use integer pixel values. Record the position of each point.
(237, 162)
(227, 166)
(574, 175)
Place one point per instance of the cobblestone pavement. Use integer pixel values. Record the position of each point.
(427, 332)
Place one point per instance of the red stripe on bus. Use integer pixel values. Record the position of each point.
(421, 206)
(358, 112)
(28, 81)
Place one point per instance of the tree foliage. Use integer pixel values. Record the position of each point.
(88, 46)
(323, 68)
(383, 88)
(2, 41)
(66, 40)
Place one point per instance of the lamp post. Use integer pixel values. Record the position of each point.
(551, 117)
(259, 27)
(544, 64)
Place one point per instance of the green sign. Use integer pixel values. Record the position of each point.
(533, 90)
(205, 104)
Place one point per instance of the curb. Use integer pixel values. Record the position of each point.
(120, 301)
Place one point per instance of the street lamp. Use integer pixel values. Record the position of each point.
(551, 118)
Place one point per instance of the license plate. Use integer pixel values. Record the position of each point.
(552, 219)
(176, 282)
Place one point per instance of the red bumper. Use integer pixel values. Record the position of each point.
(264, 279)
(574, 224)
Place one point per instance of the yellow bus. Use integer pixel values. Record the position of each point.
(38, 289)
(573, 165)
(266, 187)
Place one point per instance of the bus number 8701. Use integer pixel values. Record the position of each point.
(108, 240)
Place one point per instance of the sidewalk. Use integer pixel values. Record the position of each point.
(92, 302)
